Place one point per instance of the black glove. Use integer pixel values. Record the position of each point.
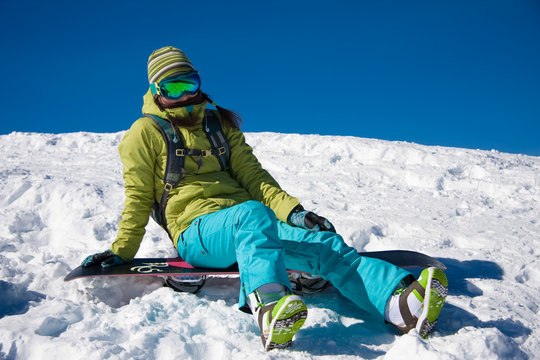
(106, 259)
(309, 220)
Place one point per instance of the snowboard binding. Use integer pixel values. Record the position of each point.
(190, 284)
(304, 283)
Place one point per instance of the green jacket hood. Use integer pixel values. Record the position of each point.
(150, 107)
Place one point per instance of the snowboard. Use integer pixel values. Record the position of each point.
(178, 267)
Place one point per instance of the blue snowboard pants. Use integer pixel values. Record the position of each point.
(249, 234)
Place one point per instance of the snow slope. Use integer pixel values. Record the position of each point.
(477, 211)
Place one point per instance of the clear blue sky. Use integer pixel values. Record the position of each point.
(462, 73)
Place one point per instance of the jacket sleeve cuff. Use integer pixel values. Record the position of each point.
(125, 254)
(285, 208)
(296, 209)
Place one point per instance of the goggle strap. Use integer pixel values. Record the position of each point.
(154, 88)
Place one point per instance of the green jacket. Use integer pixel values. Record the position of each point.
(143, 153)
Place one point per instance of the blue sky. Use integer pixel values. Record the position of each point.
(461, 73)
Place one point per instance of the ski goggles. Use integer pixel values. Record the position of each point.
(176, 86)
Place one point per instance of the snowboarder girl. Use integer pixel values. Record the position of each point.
(217, 218)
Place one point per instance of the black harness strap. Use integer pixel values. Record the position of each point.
(174, 170)
(217, 139)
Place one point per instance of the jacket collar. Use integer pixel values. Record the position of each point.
(150, 107)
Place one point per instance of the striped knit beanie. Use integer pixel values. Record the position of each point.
(167, 61)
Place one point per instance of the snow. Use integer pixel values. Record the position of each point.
(477, 211)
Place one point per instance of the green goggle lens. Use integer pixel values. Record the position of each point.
(175, 87)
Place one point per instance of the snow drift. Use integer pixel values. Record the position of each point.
(476, 211)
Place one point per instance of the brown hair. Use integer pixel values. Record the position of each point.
(229, 117)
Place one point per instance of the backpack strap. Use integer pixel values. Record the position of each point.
(174, 170)
(214, 133)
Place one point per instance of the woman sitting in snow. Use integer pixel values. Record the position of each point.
(217, 218)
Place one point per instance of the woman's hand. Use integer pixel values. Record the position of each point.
(106, 259)
(309, 220)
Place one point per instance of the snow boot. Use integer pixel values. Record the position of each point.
(418, 305)
(278, 321)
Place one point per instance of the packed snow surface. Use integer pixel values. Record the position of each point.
(477, 211)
